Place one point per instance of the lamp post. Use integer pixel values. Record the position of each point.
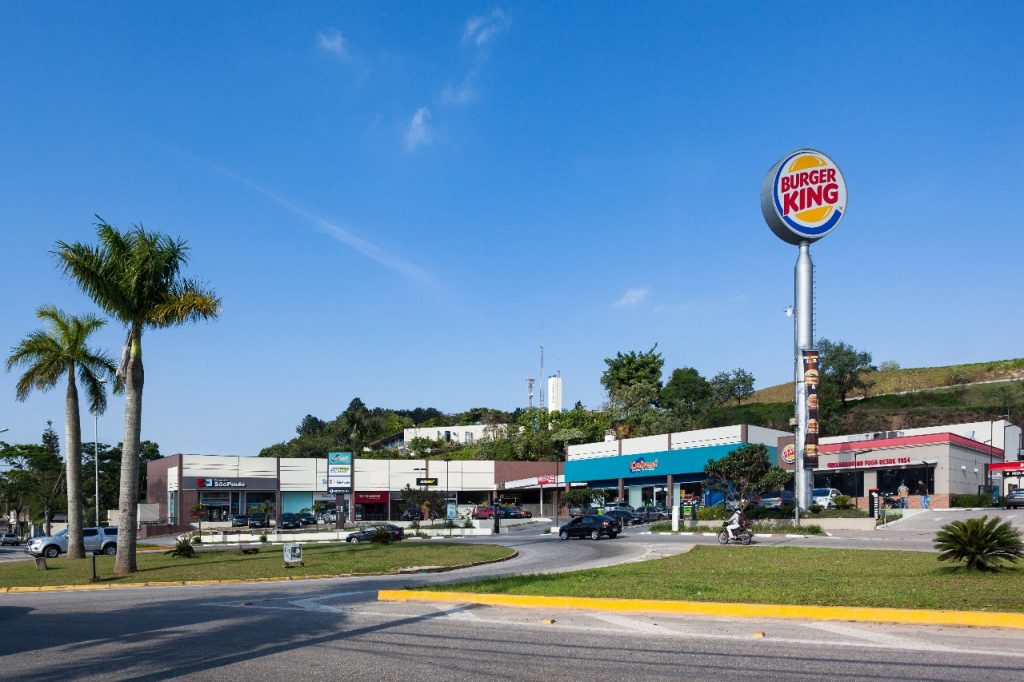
(96, 456)
(450, 521)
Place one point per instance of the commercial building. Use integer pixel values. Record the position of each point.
(461, 435)
(229, 485)
(663, 467)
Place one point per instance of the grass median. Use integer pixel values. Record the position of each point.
(268, 563)
(781, 575)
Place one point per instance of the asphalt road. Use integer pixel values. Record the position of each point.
(335, 628)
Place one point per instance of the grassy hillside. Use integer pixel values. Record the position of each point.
(950, 405)
(913, 379)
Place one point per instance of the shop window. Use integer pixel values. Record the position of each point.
(469, 438)
(889, 479)
(849, 483)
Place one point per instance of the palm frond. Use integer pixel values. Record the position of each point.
(187, 301)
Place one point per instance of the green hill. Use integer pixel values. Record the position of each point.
(930, 407)
(912, 379)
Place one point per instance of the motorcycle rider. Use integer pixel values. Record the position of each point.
(737, 519)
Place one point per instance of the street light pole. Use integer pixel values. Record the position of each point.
(96, 456)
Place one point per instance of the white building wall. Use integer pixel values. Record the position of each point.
(172, 479)
(683, 440)
(770, 437)
(298, 474)
(458, 434)
(215, 466)
(605, 448)
(372, 475)
(637, 446)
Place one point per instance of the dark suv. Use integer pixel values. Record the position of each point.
(258, 520)
(592, 526)
(1014, 498)
(289, 520)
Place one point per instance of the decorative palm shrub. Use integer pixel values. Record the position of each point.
(983, 543)
(382, 536)
(183, 548)
(842, 501)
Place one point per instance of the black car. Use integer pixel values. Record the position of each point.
(239, 520)
(591, 526)
(1014, 498)
(367, 534)
(307, 518)
(290, 521)
(258, 520)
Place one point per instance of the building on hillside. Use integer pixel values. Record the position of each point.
(461, 435)
(659, 469)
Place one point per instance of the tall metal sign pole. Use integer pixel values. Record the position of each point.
(803, 198)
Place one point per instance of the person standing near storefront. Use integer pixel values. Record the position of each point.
(922, 491)
(903, 492)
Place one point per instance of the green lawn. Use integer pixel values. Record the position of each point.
(231, 565)
(782, 575)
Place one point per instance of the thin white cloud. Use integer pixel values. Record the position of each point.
(337, 232)
(464, 93)
(483, 29)
(332, 41)
(419, 132)
(632, 297)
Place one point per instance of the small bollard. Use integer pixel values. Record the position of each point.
(40, 563)
(93, 578)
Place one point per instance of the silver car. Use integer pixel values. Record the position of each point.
(97, 540)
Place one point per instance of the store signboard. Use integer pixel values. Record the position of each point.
(220, 483)
(453, 510)
(803, 196)
(426, 481)
(372, 498)
(293, 554)
(810, 366)
(339, 472)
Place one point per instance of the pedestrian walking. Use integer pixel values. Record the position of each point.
(903, 492)
(922, 492)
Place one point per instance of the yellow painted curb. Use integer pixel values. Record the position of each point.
(877, 615)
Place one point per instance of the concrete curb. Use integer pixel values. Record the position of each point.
(848, 613)
(271, 579)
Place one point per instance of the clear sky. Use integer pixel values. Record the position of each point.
(393, 199)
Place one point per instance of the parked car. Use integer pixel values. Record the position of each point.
(654, 513)
(777, 499)
(509, 513)
(239, 520)
(9, 539)
(626, 518)
(366, 534)
(307, 518)
(328, 517)
(482, 512)
(258, 520)
(524, 514)
(289, 520)
(826, 497)
(96, 540)
(609, 506)
(592, 526)
(751, 500)
(1014, 498)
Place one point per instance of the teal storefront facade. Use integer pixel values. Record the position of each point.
(641, 474)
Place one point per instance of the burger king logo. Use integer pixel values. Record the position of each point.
(789, 454)
(803, 196)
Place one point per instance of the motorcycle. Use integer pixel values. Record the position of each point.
(742, 535)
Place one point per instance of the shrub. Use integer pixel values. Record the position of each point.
(467, 523)
(661, 527)
(972, 500)
(263, 537)
(815, 508)
(414, 525)
(382, 536)
(448, 523)
(842, 502)
(183, 548)
(983, 543)
(712, 513)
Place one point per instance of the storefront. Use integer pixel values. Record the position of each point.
(659, 469)
(942, 464)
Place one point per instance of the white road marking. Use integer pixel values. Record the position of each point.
(633, 624)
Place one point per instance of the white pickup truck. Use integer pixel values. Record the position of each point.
(97, 540)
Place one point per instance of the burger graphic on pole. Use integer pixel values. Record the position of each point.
(811, 377)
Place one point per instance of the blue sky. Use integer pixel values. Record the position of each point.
(394, 198)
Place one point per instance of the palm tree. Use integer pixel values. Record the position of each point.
(135, 277)
(49, 354)
(984, 544)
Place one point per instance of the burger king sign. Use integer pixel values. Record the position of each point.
(803, 196)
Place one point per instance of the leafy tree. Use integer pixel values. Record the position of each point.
(135, 276)
(686, 391)
(745, 470)
(60, 350)
(582, 497)
(735, 385)
(840, 369)
(311, 426)
(110, 459)
(35, 477)
(633, 369)
(418, 498)
(984, 544)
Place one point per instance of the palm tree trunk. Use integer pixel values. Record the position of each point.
(128, 502)
(73, 448)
